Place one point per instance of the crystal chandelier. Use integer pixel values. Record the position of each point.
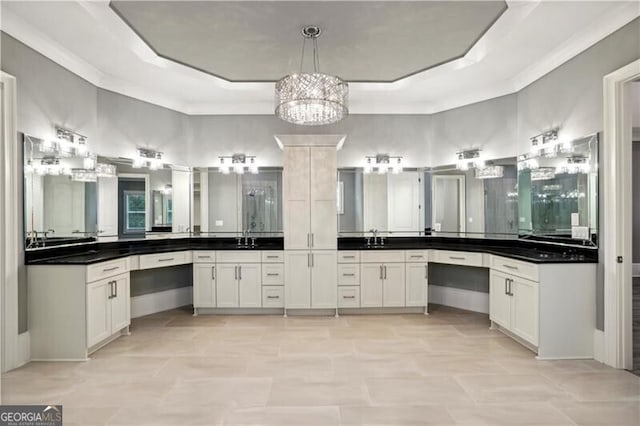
(311, 98)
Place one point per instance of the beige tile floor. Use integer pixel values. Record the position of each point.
(444, 369)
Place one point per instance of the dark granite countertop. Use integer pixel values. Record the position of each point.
(86, 254)
(529, 251)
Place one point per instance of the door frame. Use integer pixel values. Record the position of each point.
(618, 347)
(461, 202)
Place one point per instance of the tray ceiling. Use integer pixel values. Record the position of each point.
(261, 41)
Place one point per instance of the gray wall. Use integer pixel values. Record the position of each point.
(635, 200)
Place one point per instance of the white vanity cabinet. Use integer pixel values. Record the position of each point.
(310, 279)
(416, 274)
(76, 309)
(549, 307)
(108, 308)
(382, 279)
(238, 279)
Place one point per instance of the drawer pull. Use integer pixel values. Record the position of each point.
(416, 256)
(511, 267)
(168, 259)
(348, 275)
(110, 269)
(204, 257)
(349, 257)
(457, 258)
(348, 297)
(273, 257)
(273, 275)
(273, 297)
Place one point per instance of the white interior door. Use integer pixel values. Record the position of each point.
(374, 188)
(448, 203)
(403, 194)
(107, 206)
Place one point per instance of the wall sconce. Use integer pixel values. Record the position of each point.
(48, 165)
(575, 164)
(543, 173)
(167, 189)
(148, 158)
(238, 163)
(469, 159)
(70, 142)
(490, 172)
(84, 175)
(383, 163)
(548, 144)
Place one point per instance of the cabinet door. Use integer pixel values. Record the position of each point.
(416, 284)
(499, 300)
(249, 285)
(371, 285)
(296, 195)
(107, 208)
(120, 304)
(393, 292)
(227, 285)
(297, 279)
(324, 279)
(524, 317)
(324, 183)
(204, 285)
(98, 311)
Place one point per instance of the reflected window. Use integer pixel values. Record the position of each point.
(135, 213)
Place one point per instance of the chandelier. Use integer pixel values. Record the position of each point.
(311, 99)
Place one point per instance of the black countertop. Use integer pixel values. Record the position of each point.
(529, 251)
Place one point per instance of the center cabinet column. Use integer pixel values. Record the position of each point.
(310, 222)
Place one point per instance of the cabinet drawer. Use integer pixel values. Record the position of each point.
(458, 258)
(237, 256)
(349, 297)
(204, 256)
(351, 256)
(273, 274)
(416, 255)
(382, 256)
(272, 256)
(515, 267)
(107, 269)
(160, 260)
(273, 296)
(349, 274)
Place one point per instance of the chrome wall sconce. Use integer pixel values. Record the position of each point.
(383, 163)
(238, 163)
(469, 159)
(548, 144)
(148, 158)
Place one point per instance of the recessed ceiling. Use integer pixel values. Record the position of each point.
(261, 41)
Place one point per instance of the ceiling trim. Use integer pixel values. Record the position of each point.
(15, 26)
(471, 47)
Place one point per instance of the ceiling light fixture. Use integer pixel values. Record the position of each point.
(315, 98)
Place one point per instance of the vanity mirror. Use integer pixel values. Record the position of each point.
(558, 190)
(476, 202)
(237, 203)
(390, 203)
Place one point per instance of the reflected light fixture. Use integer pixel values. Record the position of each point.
(238, 163)
(311, 99)
(469, 159)
(490, 172)
(383, 163)
(148, 158)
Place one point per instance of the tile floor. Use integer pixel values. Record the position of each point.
(444, 369)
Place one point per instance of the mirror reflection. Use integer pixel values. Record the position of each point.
(476, 202)
(558, 190)
(248, 203)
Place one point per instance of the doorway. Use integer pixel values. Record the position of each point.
(635, 214)
(448, 203)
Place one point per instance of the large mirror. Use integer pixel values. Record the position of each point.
(231, 203)
(476, 202)
(73, 196)
(389, 203)
(558, 191)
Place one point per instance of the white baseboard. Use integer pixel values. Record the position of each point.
(458, 298)
(598, 345)
(162, 301)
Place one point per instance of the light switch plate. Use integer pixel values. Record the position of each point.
(580, 232)
(437, 227)
(219, 222)
(575, 219)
